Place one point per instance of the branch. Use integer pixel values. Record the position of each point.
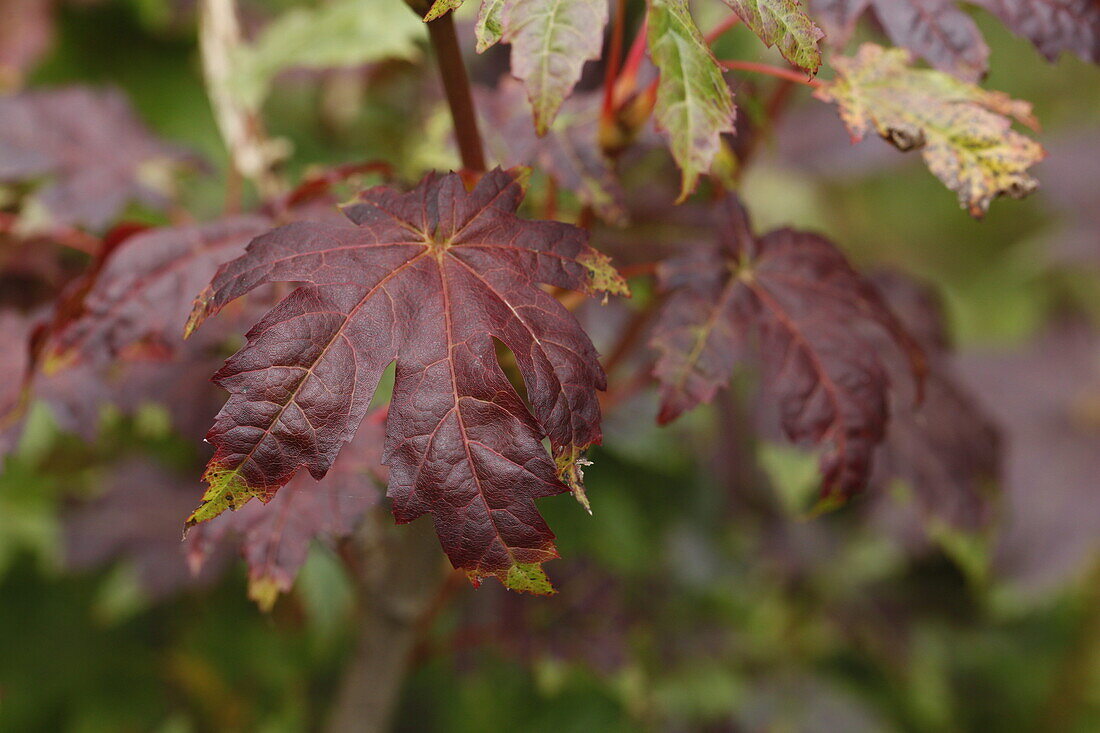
(252, 154)
(398, 573)
(456, 85)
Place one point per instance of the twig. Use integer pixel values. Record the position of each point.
(456, 85)
(398, 571)
(628, 74)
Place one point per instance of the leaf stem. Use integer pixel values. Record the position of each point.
(614, 58)
(625, 83)
(640, 268)
(780, 73)
(65, 236)
(456, 85)
(720, 30)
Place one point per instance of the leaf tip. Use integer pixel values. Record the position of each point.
(687, 187)
(200, 311)
(526, 577)
(828, 502)
(521, 174)
(602, 275)
(264, 590)
(570, 464)
(57, 359)
(227, 490)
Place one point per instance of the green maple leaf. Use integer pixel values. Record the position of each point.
(785, 25)
(694, 105)
(964, 132)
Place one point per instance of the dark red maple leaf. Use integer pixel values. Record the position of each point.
(1046, 394)
(947, 448)
(136, 520)
(275, 537)
(569, 152)
(949, 39)
(790, 303)
(144, 289)
(1053, 26)
(139, 291)
(428, 278)
(94, 152)
(935, 30)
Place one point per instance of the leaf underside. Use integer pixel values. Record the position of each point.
(947, 448)
(964, 132)
(569, 152)
(275, 537)
(144, 289)
(694, 104)
(934, 30)
(1054, 26)
(490, 26)
(91, 149)
(428, 279)
(355, 32)
(791, 305)
(784, 24)
(943, 34)
(551, 40)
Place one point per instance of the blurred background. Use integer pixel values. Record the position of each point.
(698, 597)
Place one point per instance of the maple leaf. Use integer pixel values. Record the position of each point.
(1053, 26)
(427, 278)
(490, 24)
(694, 105)
(275, 537)
(77, 395)
(550, 43)
(145, 287)
(440, 8)
(1070, 172)
(1046, 395)
(94, 152)
(569, 152)
(947, 448)
(790, 303)
(935, 30)
(964, 132)
(784, 24)
(136, 520)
